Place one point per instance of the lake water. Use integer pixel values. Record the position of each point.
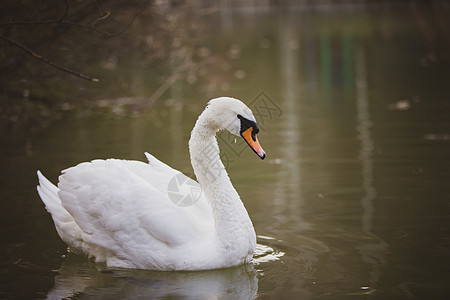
(352, 201)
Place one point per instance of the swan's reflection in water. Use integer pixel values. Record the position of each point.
(83, 279)
(80, 278)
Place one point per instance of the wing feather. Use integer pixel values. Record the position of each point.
(123, 207)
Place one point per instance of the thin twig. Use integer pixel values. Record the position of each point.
(88, 27)
(92, 27)
(63, 23)
(58, 22)
(43, 22)
(131, 21)
(66, 11)
(106, 15)
(47, 61)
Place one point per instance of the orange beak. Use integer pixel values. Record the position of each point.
(252, 140)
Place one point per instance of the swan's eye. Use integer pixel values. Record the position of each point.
(246, 124)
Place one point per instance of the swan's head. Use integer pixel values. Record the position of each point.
(233, 115)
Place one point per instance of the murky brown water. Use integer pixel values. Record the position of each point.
(355, 115)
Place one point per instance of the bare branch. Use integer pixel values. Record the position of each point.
(106, 15)
(92, 27)
(131, 21)
(47, 61)
(66, 12)
(57, 21)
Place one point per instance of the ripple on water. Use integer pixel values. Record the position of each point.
(264, 253)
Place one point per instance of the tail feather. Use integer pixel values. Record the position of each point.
(65, 224)
(49, 194)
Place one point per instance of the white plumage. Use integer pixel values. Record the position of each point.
(120, 212)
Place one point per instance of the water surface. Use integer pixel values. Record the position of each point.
(353, 107)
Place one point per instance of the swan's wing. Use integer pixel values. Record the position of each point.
(120, 209)
(159, 174)
(167, 180)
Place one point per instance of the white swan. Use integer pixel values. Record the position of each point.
(120, 211)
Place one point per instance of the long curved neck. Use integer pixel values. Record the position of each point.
(230, 216)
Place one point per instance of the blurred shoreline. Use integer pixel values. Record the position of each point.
(138, 49)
